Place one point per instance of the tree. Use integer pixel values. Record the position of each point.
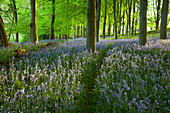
(33, 25)
(15, 16)
(158, 14)
(91, 25)
(109, 26)
(78, 31)
(133, 20)
(164, 14)
(129, 16)
(52, 21)
(115, 18)
(3, 35)
(98, 13)
(143, 22)
(105, 15)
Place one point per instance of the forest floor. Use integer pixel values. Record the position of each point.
(62, 76)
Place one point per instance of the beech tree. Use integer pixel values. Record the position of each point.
(52, 21)
(16, 17)
(33, 25)
(164, 14)
(143, 22)
(3, 35)
(105, 17)
(158, 14)
(115, 18)
(98, 13)
(91, 25)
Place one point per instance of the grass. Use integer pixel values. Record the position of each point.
(128, 77)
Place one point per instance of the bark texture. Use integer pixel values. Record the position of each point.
(77, 31)
(115, 18)
(143, 22)
(16, 17)
(91, 25)
(164, 14)
(133, 20)
(158, 15)
(98, 13)
(109, 27)
(33, 25)
(52, 21)
(3, 35)
(104, 24)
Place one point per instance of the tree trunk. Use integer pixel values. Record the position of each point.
(60, 34)
(113, 29)
(105, 15)
(52, 21)
(16, 17)
(129, 17)
(136, 22)
(98, 13)
(74, 32)
(158, 15)
(109, 27)
(164, 14)
(133, 20)
(143, 22)
(83, 32)
(66, 36)
(77, 31)
(120, 17)
(115, 18)
(3, 35)
(127, 22)
(33, 25)
(91, 25)
(123, 23)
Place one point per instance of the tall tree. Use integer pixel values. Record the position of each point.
(83, 32)
(164, 14)
(143, 22)
(15, 16)
(109, 26)
(3, 35)
(52, 20)
(123, 27)
(74, 32)
(115, 17)
(129, 15)
(78, 31)
(33, 25)
(158, 14)
(105, 17)
(91, 25)
(133, 20)
(98, 13)
(120, 17)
